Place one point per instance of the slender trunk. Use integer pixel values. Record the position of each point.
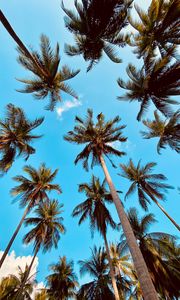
(12, 33)
(112, 274)
(17, 229)
(161, 207)
(26, 275)
(149, 292)
(14, 236)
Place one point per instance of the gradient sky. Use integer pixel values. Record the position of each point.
(97, 89)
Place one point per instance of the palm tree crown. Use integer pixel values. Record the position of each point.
(50, 81)
(94, 206)
(157, 29)
(34, 189)
(62, 283)
(155, 250)
(96, 267)
(98, 138)
(48, 226)
(148, 185)
(97, 27)
(10, 286)
(156, 82)
(16, 136)
(167, 130)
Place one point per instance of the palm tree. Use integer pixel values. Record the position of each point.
(47, 230)
(154, 249)
(62, 283)
(149, 186)
(41, 295)
(52, 82)
(98, 139)
(99, 216)
(157, 29)
(96, 28)
(9, 286)
(16, 136)
(96, 267)
(167, 130)
(123, 267)
(31, 192)
(156, 81)
(20, 44)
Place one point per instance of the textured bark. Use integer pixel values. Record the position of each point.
(161, 208)
(17, 229)
(12, 33)
(148, 290)
(112, 274)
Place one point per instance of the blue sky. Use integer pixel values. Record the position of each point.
(97, 89)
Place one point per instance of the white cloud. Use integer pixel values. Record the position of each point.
(67, 105)
(12, 262)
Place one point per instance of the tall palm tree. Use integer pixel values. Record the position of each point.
(96, 267)
(98, 139)
(9, 286)
(96, 28)
(94, 208)
(20, 44)
(31, 191)
(149, 186)
(46, 231)
(154, 249)
(157, 29)
(62, 283)
(52, 82)
(16, 136)
(123, 267)
(156, 81)
(167, 130)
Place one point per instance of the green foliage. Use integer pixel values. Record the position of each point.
(48, 80)
(96, 267)
(47, 226)
(96, 28)
(98, 138)
(16, 136)
(9, 286)
(34, 188)
(161, 253)
(156, 81)
(167, 130)
(149, 186)
(62, 282)
(158, 29)
(94, 207)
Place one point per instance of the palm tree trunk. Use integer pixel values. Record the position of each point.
(112, 274)
(149, 292)
(17, 229)
(12, 33)
(14, 236)
(161, 207)
(27, 274)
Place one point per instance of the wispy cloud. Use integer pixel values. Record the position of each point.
(67, 105)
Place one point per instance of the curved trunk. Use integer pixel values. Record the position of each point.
(148, 290)
(27, 274)
(161, 207)
(17, 229)
(112, 274)
(12, 33)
